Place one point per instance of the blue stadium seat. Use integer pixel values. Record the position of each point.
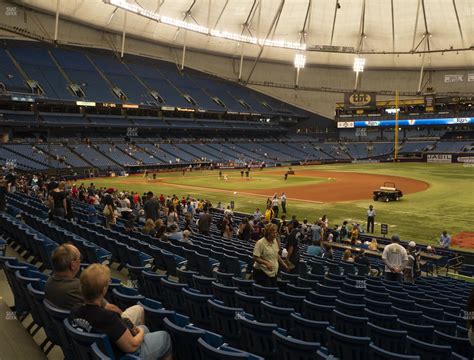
(317, 312)
(155, 313)
(125, 297)
(460, 345)
(288, 348)
(317, 298)
(420, 332)
(57, 316)
(293, 301)
(384, 320)
(350, 325)
(410, 316)
(244, 285)
(345, 346)
(209, 352)
(377, 353)
(277, 315)
(268, 292)
(197, 307)
(223, 320)
(184, 339)
(387, 339)
(97, 354)
(173, 296)
(203, 284)
(250, 304)
(384, 307)
(308, 330)
(224, 293)
(152, 285)
(349, 308)
(224, 278)
(82, 342)
(427, 350)
(447, 327)
(257, 337)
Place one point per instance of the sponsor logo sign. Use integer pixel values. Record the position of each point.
(439, 158)
(453, 78)
(345, 124)
(360, 100)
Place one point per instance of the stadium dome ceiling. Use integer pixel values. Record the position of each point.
(330, 31)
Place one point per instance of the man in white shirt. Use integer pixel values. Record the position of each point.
(445, 240)
(370, 219)
(395, 258)
(283, 202)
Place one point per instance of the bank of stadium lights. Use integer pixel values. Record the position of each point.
(300, 61)
(136, 9)
(359, 64)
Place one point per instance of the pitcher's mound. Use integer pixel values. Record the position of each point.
(464, 239)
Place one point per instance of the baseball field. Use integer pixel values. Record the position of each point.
(436, 197)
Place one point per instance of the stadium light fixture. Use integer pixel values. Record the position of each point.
(359, 64)
(138, 10)
(300, 61)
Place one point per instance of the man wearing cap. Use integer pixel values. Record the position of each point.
(413, 265)
(395, 258)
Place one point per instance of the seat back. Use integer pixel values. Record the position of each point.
(288, 348)
(257, 337)
(250, 304)
(345, 346)
(224, 293)
(82, 342)
(277, 315)
(427, 350)
(223, 320)
(209, 352)
(172, 295)
(387, 339)
(377, 353)
(197, 307)
(350, 325)
(308, 330)
(460, 345)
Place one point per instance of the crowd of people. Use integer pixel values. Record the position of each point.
(171, 218)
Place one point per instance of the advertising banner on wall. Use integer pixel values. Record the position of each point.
(439, 158)
(353, 101)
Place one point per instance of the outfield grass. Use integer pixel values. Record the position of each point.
(448, 203)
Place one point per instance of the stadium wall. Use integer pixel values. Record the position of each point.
(320, 102)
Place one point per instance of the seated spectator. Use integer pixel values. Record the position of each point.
(63, 289)
(374, 246)
(327, 252)
(186, 239)
(188, 219)
(160, 232)
(245, 230)
(347, 256)
(363, 260)
(149, 227)
(174, 233)
(123, 335)
(130, 224)
(314, 249)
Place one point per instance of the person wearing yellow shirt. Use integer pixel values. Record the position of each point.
(269, 214)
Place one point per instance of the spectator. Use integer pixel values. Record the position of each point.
(347, 256)
(161, 231)
(445, 240)
(266, 258)
(363, 260)
(3, 194)
(174, 233)
(227, 229)
(129, 225)
(395, 258)
(374, 246)
(314, 249)
(58, 202)
(370, 219)
(186, 237)
(469, 316)
(316, 232)
(149, 227)
(205, 223)
(63, 289)
(283, 202)
(151, 207)
(123, 336)
(354, 233)
(328, 253)
(343, 231)
(292, 246)
(275, 203)
(269, 214)
(257, 215)
(245, 230)
(412, 268)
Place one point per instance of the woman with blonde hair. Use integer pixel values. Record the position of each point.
(149, 227)
(347, 257)
(374, 245)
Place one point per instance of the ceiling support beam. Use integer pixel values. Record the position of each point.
(422, 68)
(262, 47)
(393, 25)
(209, 8)
(56, 22)
(303, 36)
(336, 7)
(426, 24)
(459, 22)
(416, 25)
(362, 37)
(241, 61)
(220, 15)
(184, 51)
(123, 34)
